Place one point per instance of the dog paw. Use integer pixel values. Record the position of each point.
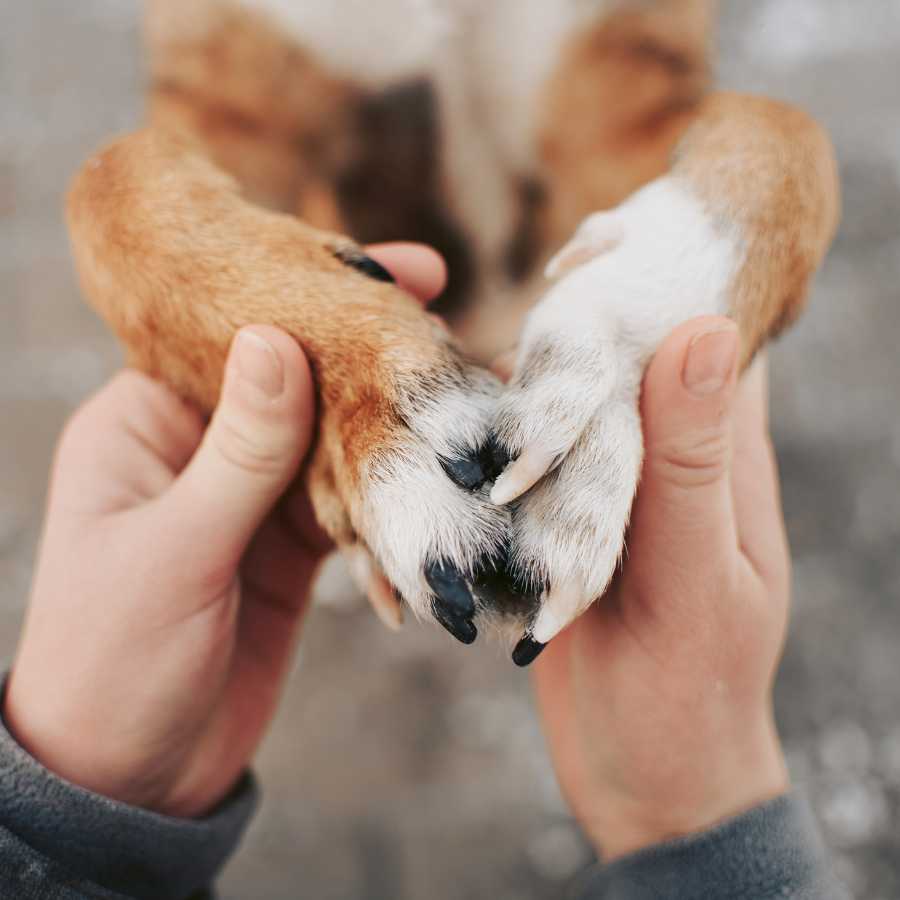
(569, 420)
(568, 526)
(569, 423)
(411, 475)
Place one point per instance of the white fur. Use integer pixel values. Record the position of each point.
(596, 330)
(375, 42)
(598, 233)
(672, 262)
(412, 513)
(571, 527)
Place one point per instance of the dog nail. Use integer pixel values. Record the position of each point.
(521, 475)
(467, 472)
(527, 651)
(453, 594)
(478, 467)
(494, 459)
(462, 629)
(358, 260)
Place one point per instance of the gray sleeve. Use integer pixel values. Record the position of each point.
(61, 842)
(772, 851)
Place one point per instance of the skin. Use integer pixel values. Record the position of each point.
(656, 703)
(172, 584)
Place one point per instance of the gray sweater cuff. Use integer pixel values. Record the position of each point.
(53, 833)
(774, 850)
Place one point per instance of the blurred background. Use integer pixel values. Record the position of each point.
(409, 767)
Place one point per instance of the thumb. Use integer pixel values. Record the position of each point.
(252, 449)
(683, 511)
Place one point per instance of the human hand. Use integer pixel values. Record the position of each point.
(171, 582)
(657, 701)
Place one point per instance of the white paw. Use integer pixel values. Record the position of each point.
(569, 419)
(576, 467)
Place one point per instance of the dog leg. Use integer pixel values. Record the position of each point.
(176, 261)
(737, 227)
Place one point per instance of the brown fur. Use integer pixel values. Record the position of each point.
(619, 100)
(260, 106)
(153, 220)
(766, 170)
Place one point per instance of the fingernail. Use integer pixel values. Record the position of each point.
(710, 359)
(258, 363)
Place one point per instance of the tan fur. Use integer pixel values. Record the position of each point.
(176, 261)
(261, 107)
(621, 96)
(767, 171)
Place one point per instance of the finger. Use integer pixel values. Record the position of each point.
(417, 267)
(754, 478)
(277, 575)
(124, 445)
(252, 448)
(556, 695)
(683, 513)
(278, 569)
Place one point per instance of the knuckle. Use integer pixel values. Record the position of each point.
(251, 449)
(694, 460)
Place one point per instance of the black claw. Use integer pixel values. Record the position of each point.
(478, 467)
(498, 582)
(453, 594)
(494, 458)
(468, 472)
(358, 260)
(453, 606)
(527, 651)
(462, 629)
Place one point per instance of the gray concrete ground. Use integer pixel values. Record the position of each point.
(409, 767)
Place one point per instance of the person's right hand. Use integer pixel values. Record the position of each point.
(657, 702)
(172, 579)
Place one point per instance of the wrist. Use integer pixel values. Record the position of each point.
(73, 751)
(722, 787)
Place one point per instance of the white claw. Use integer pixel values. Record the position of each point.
(560, 607)
(522, 474)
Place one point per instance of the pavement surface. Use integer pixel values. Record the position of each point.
(405, 768)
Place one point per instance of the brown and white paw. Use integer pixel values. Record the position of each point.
(422, 513)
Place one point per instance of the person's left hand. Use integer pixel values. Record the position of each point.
(171, 583)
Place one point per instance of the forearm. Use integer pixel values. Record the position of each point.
(774, 850)
(60, 841)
